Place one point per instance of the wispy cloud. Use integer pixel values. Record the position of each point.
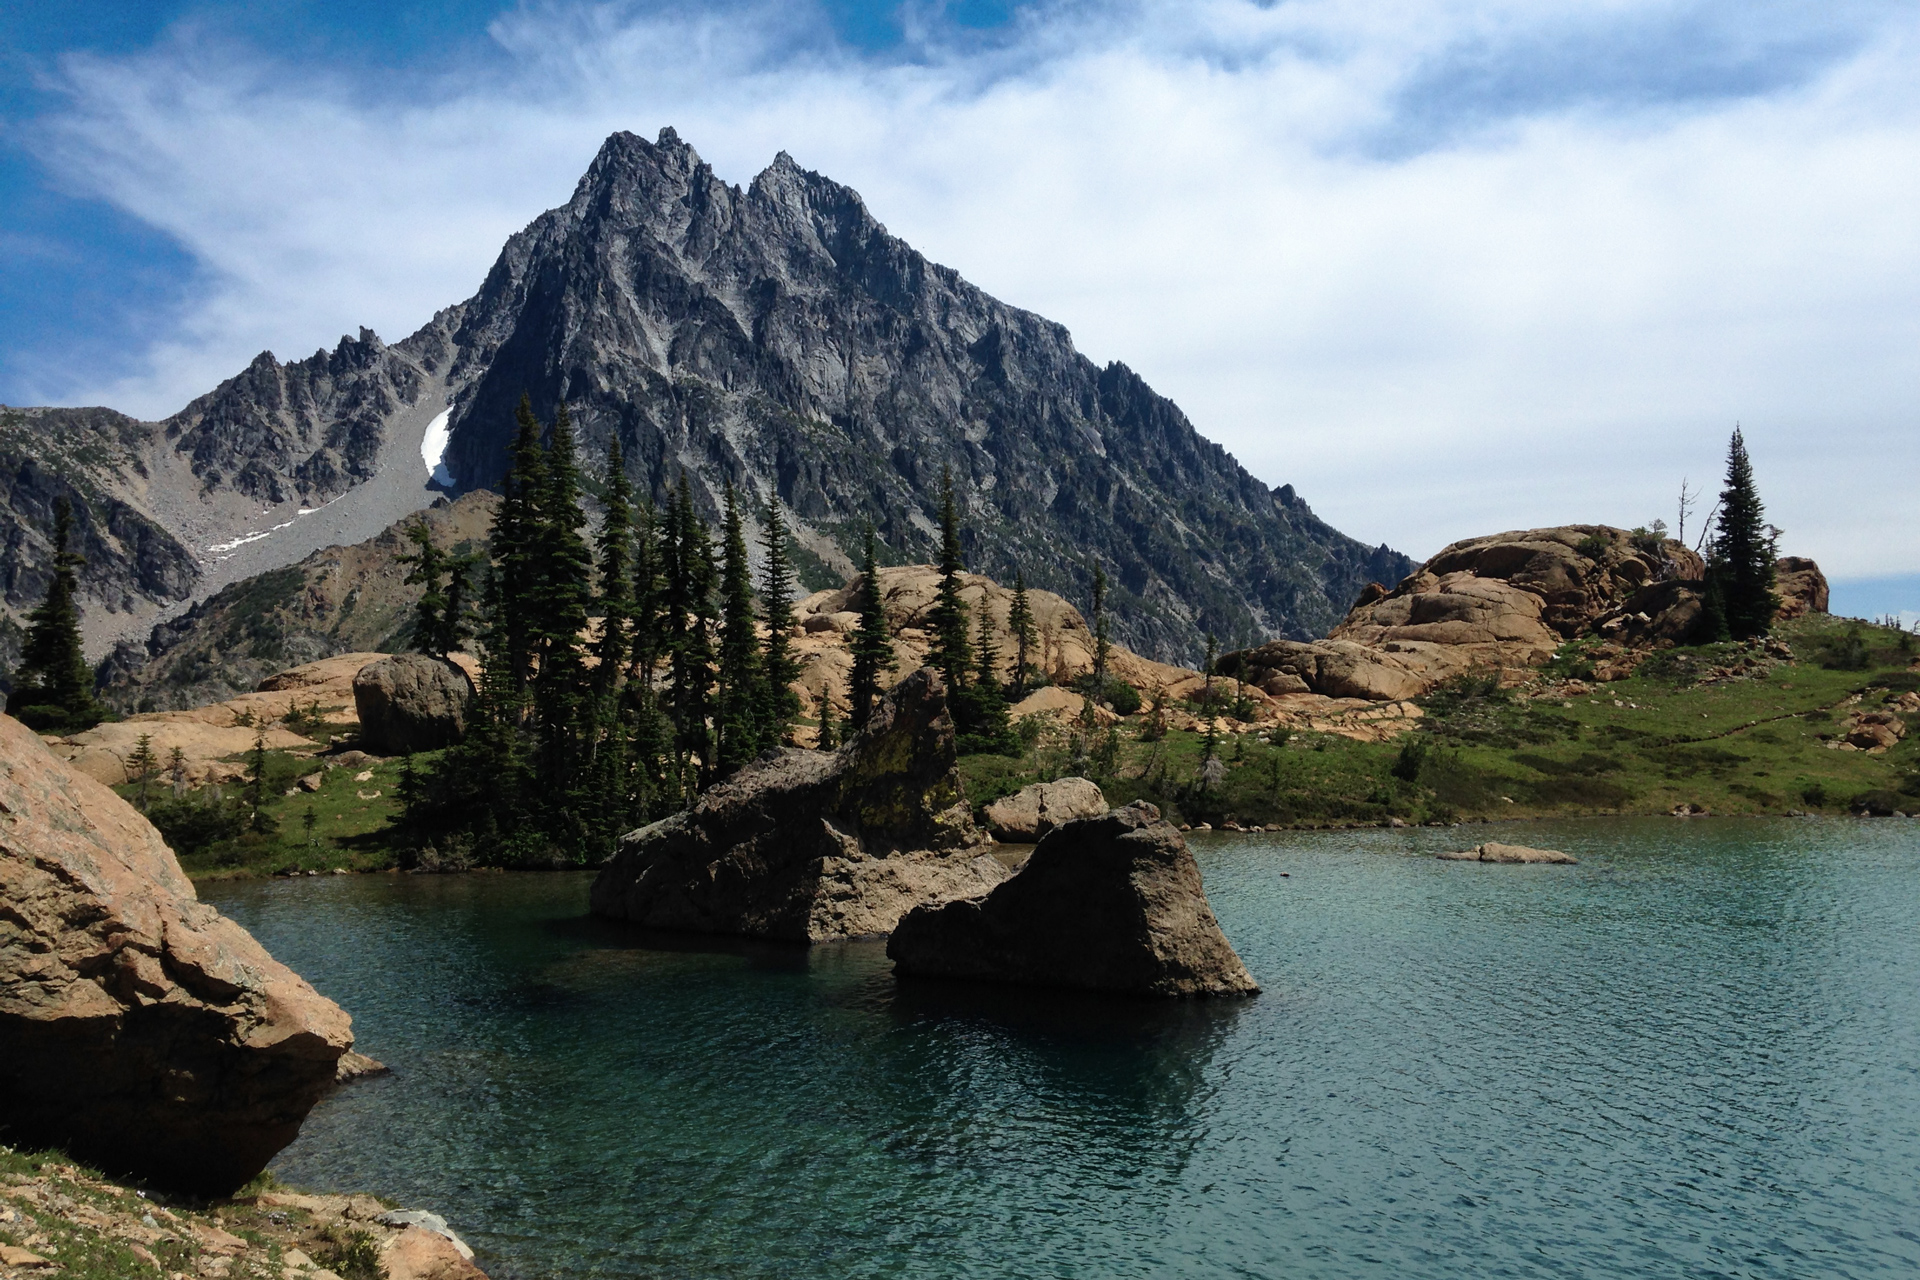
(1444, 266)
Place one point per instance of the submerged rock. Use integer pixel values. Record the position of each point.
(411, 702)
(1494, 851)
(1112, 903)
(814, 845)
(1037, 809)
(142, 1030)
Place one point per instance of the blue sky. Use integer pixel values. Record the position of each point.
(1445, 265)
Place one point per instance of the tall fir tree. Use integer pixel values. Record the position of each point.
(561, 591)
(873, 655)
(1020, 626)
(689, 609)
(53, 687)
(614, 603)
(780, 704)
(981, 707)
(1740, 564)
(1101, 645)
(736, 718)
(428, 568)
(949, 650)
(645, 607)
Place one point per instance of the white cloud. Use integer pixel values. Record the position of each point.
(1446, 267)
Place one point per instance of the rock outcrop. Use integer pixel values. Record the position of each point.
(809, 846)
(1033, 811)
(1801, 586)
(1112, 903)
(1503, 603)
(1494, 851)
(1875, 730)
(142, 1030)
(411, 702)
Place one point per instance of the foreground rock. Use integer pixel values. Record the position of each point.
(96, 1227)
(410, 702)
(811, 845)
(1494, 851)
(1112, 903)
(1033, 811)
(142, 1030)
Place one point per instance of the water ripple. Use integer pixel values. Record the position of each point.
(1694, 1054)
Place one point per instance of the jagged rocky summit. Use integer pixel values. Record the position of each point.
(1111, 903)
(776, 338)
(809, 846)
(140, 1029)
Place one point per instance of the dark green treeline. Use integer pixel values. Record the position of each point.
(580, 734)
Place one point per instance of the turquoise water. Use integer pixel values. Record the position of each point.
(1695, 1054)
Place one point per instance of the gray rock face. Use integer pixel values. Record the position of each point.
(780, 338)
(1112, 903)
(1034, 810)
(809, 846)
(411, 702)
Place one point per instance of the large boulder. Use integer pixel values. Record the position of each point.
(1500, 604)
(812, 845)
(1034, 810)
(411, 702)
(1112, 903)
(1801, 586)
(140, 1029)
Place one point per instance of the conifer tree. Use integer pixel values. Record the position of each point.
(615, 602)
(1020, 624)
(826, 739)
(873, 654)
(54, 686)
(429, 569)
(1100, 644)
(949, 650)
(142, 765)
(780, 704)
(1740, 563)
(646, 602)
(257, 785)
(981, 707)
(689, 609)
(516, 531)
(560, 590)
(741, 696)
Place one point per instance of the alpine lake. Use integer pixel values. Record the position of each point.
(1697, 1053)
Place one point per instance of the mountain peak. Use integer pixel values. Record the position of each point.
(781, 341)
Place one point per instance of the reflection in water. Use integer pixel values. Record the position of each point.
(1689, 1055)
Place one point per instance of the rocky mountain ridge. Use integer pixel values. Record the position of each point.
(775, 338)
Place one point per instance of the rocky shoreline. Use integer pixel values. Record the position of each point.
(58, 1218)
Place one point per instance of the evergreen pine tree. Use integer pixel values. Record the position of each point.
(453, 628)
(872, 646)
(142, 764)
(981, 707)
(689, 608)
(258, 818)
(560, 589)
(516, 535)
(735, 719)
(645, 606)
(1213, 653)
(1020, 624)
(949, 649)
(826, 739)
(1100, 644)
(428, 569)
(1740, 563)
(780, 704)
(615, 602)
(53, 687)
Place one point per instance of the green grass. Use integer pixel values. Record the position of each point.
(349, 833)
(1675, 733)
